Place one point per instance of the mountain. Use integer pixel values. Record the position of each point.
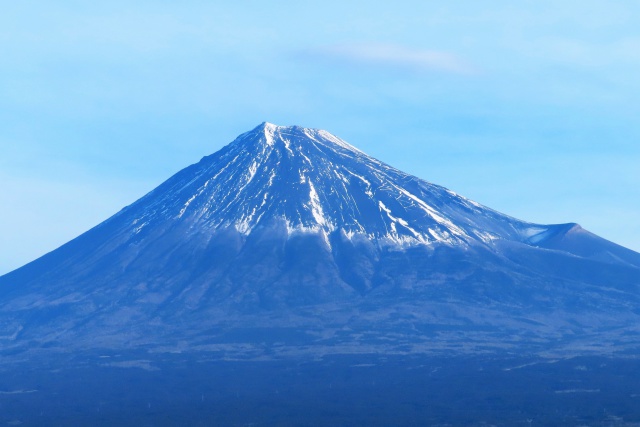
(289, 241)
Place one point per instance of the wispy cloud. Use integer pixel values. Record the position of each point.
(394, 56)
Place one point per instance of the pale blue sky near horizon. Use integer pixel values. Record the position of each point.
(529, 107)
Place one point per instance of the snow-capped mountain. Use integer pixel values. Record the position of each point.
(288, 227)
(312, 181)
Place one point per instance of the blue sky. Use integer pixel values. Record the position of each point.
(528, 107)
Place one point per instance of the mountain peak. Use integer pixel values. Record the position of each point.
(271, 134)
(308, 180)
(300, 180)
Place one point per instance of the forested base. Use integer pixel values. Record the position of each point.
(335, 391)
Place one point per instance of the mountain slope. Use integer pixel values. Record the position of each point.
(293, 228)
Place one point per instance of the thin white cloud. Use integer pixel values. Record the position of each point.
(395, 56)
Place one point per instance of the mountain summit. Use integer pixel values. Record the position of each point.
(312, 181)
(293, 229)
